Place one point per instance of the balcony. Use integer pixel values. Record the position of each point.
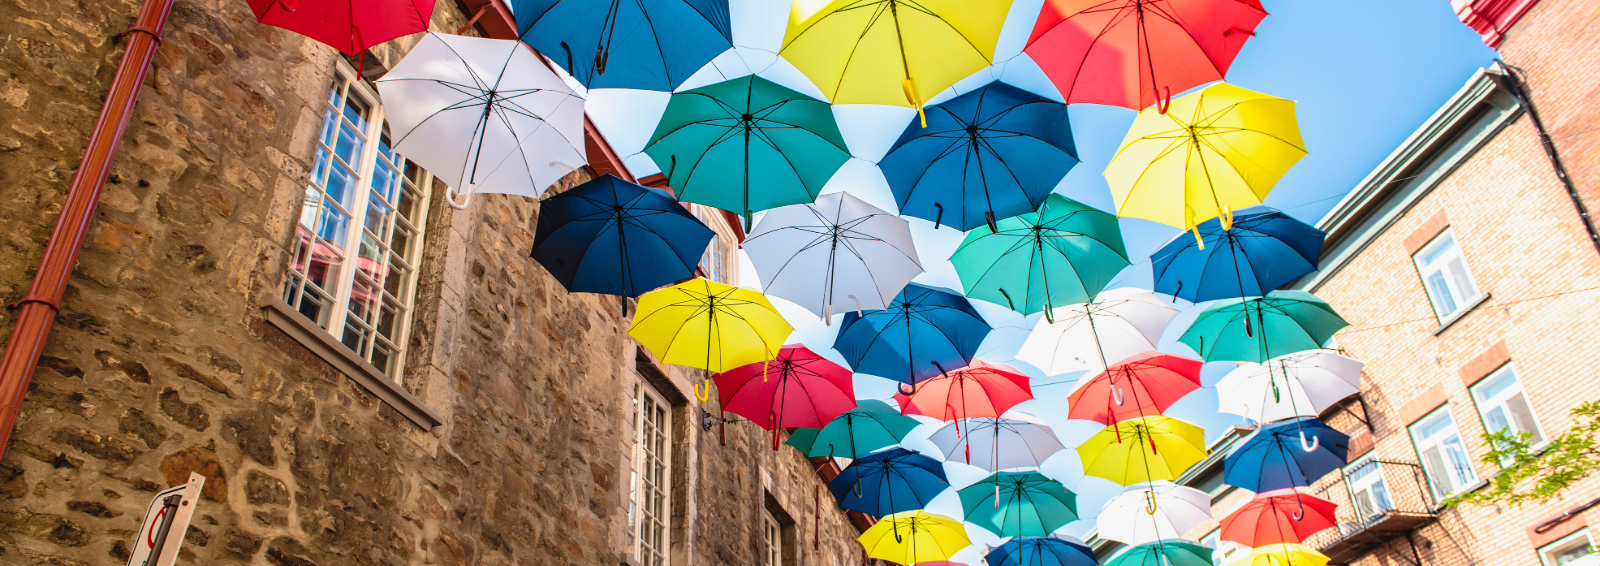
(1379, 501)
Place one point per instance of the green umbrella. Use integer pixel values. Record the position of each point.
(1019, 504)
(1063, 254)
(747, 144)
(1165, 552)
(872, 425)
(802, 438)
(1257, 329)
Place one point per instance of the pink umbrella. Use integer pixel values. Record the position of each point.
(798, 389)
(1141, 386)
(978, 390)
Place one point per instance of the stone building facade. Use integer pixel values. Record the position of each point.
(464, 410)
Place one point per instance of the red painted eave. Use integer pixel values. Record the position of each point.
(1491, 18)
(659, 181)
(828, 469)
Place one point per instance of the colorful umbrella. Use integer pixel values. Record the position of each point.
(1282, 555)
(923, 332)
(979, 390)
(1019, 504)
(1297, 385)
(1262, 251)
(1065, 253)
(713, 140)
(1167, 552)
(1137, 53)
(1141, 386)
(1119, 324)
(798, 389)
(1143, 450)
(349, 26)
(647, 45)
(838, 251)
(1257, 329)
(1149, 512)
(704, 324)
(872, 425)
(914, 536)
(803, 438)
(1019, 441)
(1277, 517)
(1285, 454)
(892, 481)
(1040, 551)
(989, 154)
(613, 237)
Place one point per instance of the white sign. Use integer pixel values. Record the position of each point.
(165, 523)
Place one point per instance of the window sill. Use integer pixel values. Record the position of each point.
(1462, 313)
(314, 338)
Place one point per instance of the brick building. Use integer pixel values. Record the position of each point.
(435, 399)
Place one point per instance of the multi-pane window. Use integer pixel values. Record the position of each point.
(1369, 495)
(648, 510)
(774, 537)
(1223, 551)
(714, 262)
(353, 269)
(1576, 549)
(1503, 405)
(1444, 457)
(1445, 276)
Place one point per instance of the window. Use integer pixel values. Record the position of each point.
(1444, 275)
(648, 512)
(774, 537)
(714, 262)
(1223, 550)
(1369, 495)
(1444, 457)
(353, 268)
(1575, 549)
(1503, 405)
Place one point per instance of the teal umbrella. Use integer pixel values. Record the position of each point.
(872, 425)
(1019, 504)
(1257, 329)
(747, 144)
(1063, 254)
(1165, 552)
(802, 438)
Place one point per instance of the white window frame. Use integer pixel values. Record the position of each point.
(1445, 267)
(714, 263)
(1441, 441)
(1566, 542)
(1221, 550)
(1488, 404)
(772, 532)
(650, 474)
(1374, 486)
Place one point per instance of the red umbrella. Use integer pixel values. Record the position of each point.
(351, 26)
(798, 389)
(1135, 53)
(1274, 517)
(978, 390)
(1141, 386)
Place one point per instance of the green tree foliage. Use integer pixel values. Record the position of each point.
(1536, 475)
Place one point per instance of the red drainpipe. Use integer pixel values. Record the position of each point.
(37, 310)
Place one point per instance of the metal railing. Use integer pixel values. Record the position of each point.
(1377, 500)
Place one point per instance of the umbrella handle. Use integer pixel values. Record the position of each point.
(1009, 304)
(705, 396)
(902, 389)
(772, 421)
(289, 5)
(450, 198)
(1225, 214)
(1180, 288)
(1312, 446)
(997, 496)
(910, 88)
(988, 217)
(1116, 395)
(940, 217)
(1163, 99)
(858, 303)
(1149, 503)
(827, 314)
(1301, 512)
(1232, 30)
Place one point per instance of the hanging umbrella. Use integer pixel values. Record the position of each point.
(798, 389)
(347, 25)
(639, 44)
(1276, 517)
(838, 251)
(802, 438)
(872, 425)
(1219, 149)
(1141, 386)
(747, 144)
(1019, 504)
(1119, 324)
(1303, 384)
(613, 237)
(1040, 551)
(924, 331)
(1167, 552)
(1135, 54)
(1065, 253)
(979, 390)
(986, 155)
(483, 115)
(1149, 512)
(1019, 441)
(913, 537)
(704, 324)
(1257, 329)
(888, 482)
(1263, 250)
(1285, 454)
(1282, 555)
(1143, 450)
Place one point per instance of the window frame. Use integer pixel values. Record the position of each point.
(1463, 303)
(1545, 550)
(715, 261)
(1416, 445)
(1351, 490)
(772, 533)
(643, 395)
(1221, 550)
(1483, 411)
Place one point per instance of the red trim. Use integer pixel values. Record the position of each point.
(828, 469)
(1491, 18)
(659, 181)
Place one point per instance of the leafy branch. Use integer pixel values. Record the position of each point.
(1536, 475)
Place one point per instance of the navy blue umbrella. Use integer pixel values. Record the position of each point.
(888, 482)
(986, 155)
(1285, 454)
(641, 44)
(613, 237)
(924, 332)
(1261, 251)
(1040, 551)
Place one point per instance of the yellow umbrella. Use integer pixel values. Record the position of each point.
(705, 324)
(914, 536)
(894, 52)
(1209, 153)
(1286, 554)
(1143, 449)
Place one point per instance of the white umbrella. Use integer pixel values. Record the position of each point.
(995, 444)
(1297, 385)
(836, 251)
(483, 115)
(1089, 336)
(1148, 512)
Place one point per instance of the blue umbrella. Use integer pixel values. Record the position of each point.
(613, 237)
(986, 155)
(1260, 251)
(1285, 454)
(1040, 551)
(642, 44)
(888, 482)
(924, 332)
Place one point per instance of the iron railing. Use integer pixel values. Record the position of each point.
(1378, 500)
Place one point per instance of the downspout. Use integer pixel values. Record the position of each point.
(1515, 84)
(37, 310)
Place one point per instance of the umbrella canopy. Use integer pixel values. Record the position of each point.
(1283, 555)
(1065, 253)
(1143, 450)
(713, 140)
(892, 481)
(1141, 386)
(798, 389)
(483, 115)
(924, 331)
(1040, 551)
(704, 324)
(802, 438)
(1285, 454)
(646, 45)
(1119, 324)
(1150, 512)
(913, 537)
(1135, 54)
(613, 237)
(1168, 552)
(872, 425)
(1297, 385)
(1263, 250)
(839, 251)
(1277, 517)
(1257, 329)
(1019, 504)
(1218, 149)
(1002, 444)
(978, 390)
(986, 155)
(351, 26)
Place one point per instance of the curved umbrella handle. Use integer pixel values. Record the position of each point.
(1312, 446)
(1225, 215)
(1150, 502)
(1234, 30)
(910, 88)
(289, 5)
(938, 219)
(858, 303)
(450, 197)
(705, 396)
(1300, 513)
(902, 389)
(1116, 395)
(1163, 99)
(1009, 304)
(568, 49)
